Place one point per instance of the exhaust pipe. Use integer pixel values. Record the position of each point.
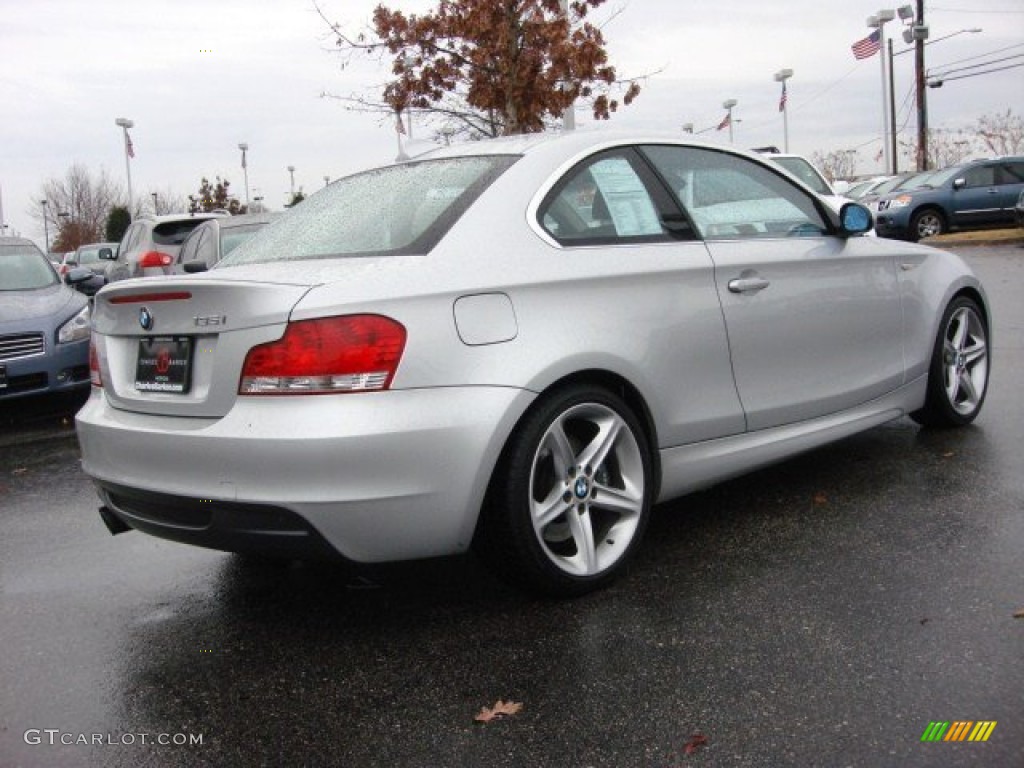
(114, 524)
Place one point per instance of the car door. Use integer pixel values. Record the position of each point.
(975, 196)
(646, 285)
(814, 320)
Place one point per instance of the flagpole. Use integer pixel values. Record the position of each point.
(878, 22)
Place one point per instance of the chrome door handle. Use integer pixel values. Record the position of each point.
(748, 284)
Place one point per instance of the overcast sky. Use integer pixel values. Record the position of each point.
(200, 77)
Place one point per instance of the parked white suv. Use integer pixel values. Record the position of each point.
(150, 245)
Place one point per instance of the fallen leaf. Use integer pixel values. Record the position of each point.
(949, 454)
(820, 498)
(499, 710)
(1019, 614)
(696, 741)
(19, 471)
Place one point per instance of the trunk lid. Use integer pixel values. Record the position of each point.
(176, 347)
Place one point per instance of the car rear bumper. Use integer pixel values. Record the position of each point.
(375, 476)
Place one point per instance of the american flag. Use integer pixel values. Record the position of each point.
(725, 122)
(782, 98)
(129, 147)
(868, 47)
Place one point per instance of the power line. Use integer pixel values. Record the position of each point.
(949, 70)
(939, 80)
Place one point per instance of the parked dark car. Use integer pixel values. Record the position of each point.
(44, 325)
(977, 194)
(212, 240)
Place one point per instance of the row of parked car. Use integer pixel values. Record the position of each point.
(44, 318)
(982, 193)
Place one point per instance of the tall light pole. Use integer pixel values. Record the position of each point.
(291, 172)
(781, 77)
(124, 124)
(245, 170)
(46, 224)
(728, 104)
(878, 21)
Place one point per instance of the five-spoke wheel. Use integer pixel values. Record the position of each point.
(958, 376)
(571, 497)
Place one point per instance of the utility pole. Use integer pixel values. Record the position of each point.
(920, 34)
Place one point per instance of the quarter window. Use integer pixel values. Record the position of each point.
(731, 197)
(604, 200)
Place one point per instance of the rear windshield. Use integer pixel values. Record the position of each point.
(24, 268)
(396, 210)
(174, 232)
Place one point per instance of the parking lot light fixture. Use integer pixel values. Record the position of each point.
(245, 170)
(728, 104)
(46, 224)
(781, 77)
(124, 124)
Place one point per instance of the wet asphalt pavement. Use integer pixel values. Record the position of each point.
(819, 613)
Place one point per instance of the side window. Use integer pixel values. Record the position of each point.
(1011, 173)
(603, 200)
(981, 176)
(732, 197)
(188, 248)
(129, 239)
(207, 250)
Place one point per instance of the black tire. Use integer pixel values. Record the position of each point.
(928, 222)
(590, 515)
(959, 369)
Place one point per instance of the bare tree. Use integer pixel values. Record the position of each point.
(945, 147)
(76, 206)
(838, 164)
(1002, 133)
(163, 201)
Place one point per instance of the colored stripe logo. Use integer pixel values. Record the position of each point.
(959, 730)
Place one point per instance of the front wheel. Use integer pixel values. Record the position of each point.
(571, 495)
(958, 373)
(927, 223)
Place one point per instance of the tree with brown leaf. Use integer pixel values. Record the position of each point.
(492, 67)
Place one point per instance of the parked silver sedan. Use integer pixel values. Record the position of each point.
(517, 346)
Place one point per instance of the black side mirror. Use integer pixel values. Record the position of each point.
(107, 254)
(85, 280)
(198, 265)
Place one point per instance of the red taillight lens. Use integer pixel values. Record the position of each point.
(353, 353)
(155, 259)
(94, 364)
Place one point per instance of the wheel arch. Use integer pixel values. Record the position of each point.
(928, 207)
(605, 379)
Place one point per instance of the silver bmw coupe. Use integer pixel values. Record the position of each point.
(517, 346)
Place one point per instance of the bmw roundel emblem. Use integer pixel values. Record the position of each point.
(146, 319)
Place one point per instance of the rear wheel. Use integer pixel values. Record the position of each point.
(571, 496)
(958, 374)
(927, 223)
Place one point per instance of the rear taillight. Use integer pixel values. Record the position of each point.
(94, 364)
(155, 259)
(353, 353)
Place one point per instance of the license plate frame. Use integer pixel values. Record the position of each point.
(164, 365)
